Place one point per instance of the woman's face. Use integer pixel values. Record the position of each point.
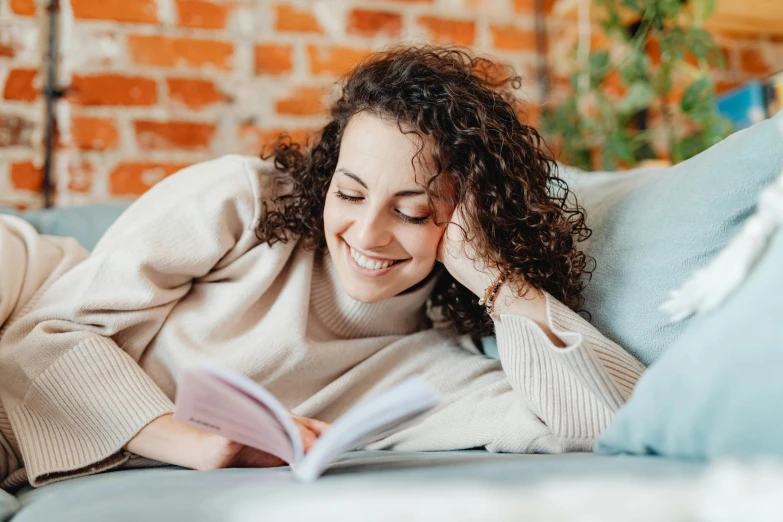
(379, 228)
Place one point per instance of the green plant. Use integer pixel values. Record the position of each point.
(655, 69)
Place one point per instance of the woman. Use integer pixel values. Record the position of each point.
(316, 272)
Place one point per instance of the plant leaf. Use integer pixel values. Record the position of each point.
(638, 97)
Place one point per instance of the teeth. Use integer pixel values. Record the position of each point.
(369, 264)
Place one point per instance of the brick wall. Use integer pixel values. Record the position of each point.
(21, 107)
(159, 84)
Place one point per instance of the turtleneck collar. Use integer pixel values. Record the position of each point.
(399, 315)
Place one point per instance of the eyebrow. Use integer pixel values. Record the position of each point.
(400, 194)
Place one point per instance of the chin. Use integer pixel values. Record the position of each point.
(365, 297)
(363, 293)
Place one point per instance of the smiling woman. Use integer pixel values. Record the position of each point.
(377, 221)
(421, 218)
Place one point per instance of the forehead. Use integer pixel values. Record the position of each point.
(377, 151)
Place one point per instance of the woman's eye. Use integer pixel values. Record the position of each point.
(346, 197)
(404, 217)
(415, 220)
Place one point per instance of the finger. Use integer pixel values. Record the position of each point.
(308, 436)
(316, 426)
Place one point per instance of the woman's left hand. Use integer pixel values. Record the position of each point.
(460, 258)
(463, 263)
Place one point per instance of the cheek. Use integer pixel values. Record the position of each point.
(332, 216)
(423, 244)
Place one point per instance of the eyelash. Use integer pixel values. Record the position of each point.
(407, 219)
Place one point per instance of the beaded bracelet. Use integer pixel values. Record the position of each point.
(492, 291)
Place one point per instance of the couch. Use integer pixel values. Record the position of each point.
(475, 484)
(174, 494)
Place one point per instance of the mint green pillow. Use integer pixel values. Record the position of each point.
(653, 227)
(87, 223)
(8, 505)
(717, 390)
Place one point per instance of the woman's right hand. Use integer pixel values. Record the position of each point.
(167, 440)
(219, 452)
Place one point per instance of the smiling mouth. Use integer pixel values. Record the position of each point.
(372, 263)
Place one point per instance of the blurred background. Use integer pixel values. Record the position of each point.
(101, 99)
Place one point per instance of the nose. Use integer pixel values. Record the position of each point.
(374, 231)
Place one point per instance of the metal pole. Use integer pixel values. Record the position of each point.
(52, 93)
(541, 50)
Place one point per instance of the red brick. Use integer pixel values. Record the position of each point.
(164, 51)
(493, 71)
(26, 176)
(274, 59)
(94, 133)
(203, 15)
(20, 85)
(753, 62)
(363, 22)
(136, 178)
(136, 11)
(613, 84)
(182, 135)
(529, 6)
(7, 51)
(303, 101)
(448, 30)
(600, 41)
(114, 89)
(675, 94)
(726, 52)
(530, 115)
(290, 19)
(334, 60)
(80, 177)
(652, 49)
(263, 138)
(721, 87)
(525, 6)
(23, 7)
(193, 93)
(510, 38)
(15, 130)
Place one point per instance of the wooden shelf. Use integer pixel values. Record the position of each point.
(749, 17)
(741, 17)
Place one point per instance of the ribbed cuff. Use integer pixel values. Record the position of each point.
(619, 369)
(564, 403)
(575, 389)
(78, 414)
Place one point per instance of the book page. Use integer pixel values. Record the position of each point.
(365, 421)
(237, 408)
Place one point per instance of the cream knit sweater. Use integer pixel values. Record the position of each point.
(92, 346)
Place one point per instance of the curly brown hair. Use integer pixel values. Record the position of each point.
(498, 167)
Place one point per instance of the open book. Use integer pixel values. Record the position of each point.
(232, 405)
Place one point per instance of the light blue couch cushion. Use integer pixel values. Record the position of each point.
(8, 505)
(653, 227)
(718, 389)
(87, 224)
(177, 495)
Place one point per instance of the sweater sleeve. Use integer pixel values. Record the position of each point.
(73, 389)
(575, 389)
